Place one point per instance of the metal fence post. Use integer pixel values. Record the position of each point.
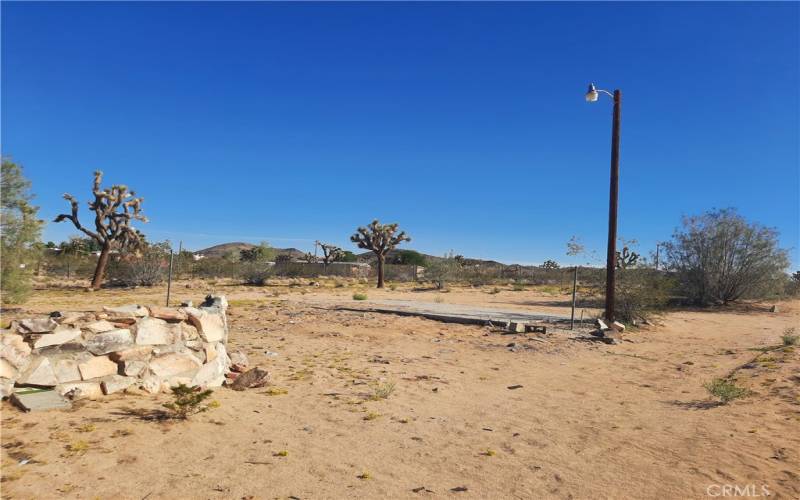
(169, 276)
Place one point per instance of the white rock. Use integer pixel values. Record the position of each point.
(7, 370)
(66, 370)
(134, 309)
(39, 373)
(210, 326)
(210, 374)
(61, 335)
(133, 368)
(114, 340)
(100, 326)
(154, 331)
(6, 387)
(151, 384)
(116, 383)
(81, 390)
(172, 364)
(97, 366)
(38, 325)
(15, 350)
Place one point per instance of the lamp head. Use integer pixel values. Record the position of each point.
(591, 94)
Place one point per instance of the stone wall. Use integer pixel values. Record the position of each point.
(129, 348)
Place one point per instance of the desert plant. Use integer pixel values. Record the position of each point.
(725, 390)
(550, 264)
(19, 232)
(263, 252)
(115, 208)
(380, 239)
(188, 401)
(640, 293)
(789, 337)
(382, 390)
(146, 268)
(256, 273)
(444, 270)
(330, 253)
(309, 258)
(626, 258)
(719, 257)
(409, 258)
(359, 296)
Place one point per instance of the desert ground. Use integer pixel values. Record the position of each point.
(590, 420)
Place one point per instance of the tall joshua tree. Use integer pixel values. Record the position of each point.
(114, 209)
(330, 253)
(380, 238)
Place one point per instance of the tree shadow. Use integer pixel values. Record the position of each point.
(696, 405)
(144, 414)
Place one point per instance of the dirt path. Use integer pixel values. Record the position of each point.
(589, 420)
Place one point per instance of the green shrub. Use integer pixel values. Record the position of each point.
(789, 337)
(725, 390)
(359, 296)
(188, 401)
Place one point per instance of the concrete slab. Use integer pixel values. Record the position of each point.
(455, 313)
(37, 400)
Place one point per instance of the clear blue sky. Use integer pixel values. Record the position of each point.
(465, 123)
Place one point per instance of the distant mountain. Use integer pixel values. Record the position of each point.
(225, 248)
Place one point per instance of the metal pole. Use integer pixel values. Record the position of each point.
(574, 289)
(613, 202)
(169, 276)
(657, 245)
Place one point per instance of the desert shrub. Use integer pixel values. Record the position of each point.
(256, 272)
(382, 390)
(518, 287)
(187, 401)
(19, 233)
(408, 258)
(148, 268)
(443, 271)
(550, 264)
(262, 252)
(793, 284)
(347, 256)
(790, 337)
(719, 257)
(725, 390)
(359, 296)
(640, 293)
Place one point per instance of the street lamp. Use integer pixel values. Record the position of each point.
(613, 199)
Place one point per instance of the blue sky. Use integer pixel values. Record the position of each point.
(465, 123)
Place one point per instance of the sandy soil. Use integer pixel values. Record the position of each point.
(590, 420)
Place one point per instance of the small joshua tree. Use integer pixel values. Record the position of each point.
(330, 253)
(114, 209)
(188, 401)
(550, 264)
(626, 258)
(380, 238)
(310, 258)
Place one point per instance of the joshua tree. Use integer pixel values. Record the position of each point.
(380, 238)
(310, 258)
(550, 264)
(330, 253)
(114, 209)
(626, 258)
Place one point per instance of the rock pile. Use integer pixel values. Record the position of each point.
(130, 348)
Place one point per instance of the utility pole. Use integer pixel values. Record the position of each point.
(574, 290)
(613, 204)
(169, 276)
(613, 196)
